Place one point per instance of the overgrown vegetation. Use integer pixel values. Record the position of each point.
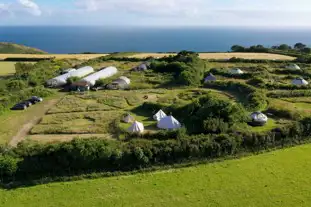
(214, 115)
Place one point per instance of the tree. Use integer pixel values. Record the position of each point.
(284, 47)
(71, 80)
(299, 46)
(238, 48)
(306, 50)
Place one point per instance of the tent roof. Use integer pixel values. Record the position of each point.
(169, 122)
(259, 117)
(159, 115)
(136, 127)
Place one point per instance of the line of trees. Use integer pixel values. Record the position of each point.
(298, 47)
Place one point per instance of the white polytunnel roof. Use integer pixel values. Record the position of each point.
(62, 79)
(103, 73)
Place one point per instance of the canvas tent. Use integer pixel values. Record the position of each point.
(209, 78)
(169, 122)
(300, 82)
(128, 119)
(236, 71)
(259, 119)
(159, 115)
(136, 127)
(293, 67)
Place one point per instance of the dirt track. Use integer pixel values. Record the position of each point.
(23, 132)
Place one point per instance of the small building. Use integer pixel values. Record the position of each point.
(81, 86)
(140, 68)
(210, 78)
(169, 122)
(293, 67)
(258, 119)
(300, 82)
(236, 71)
(120, 83)
(136, 127)
(159, 115)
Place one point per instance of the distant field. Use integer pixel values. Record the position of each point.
(57, 56)
(7, 68)
(266, 56)
(279, 178)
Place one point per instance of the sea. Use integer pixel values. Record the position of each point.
(99, 39)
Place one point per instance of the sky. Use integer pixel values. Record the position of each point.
(267, 13)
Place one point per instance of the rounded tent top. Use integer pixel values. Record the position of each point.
(210, 77)
(293, 67)
(126, 79)
(159, 115)
(169, 122)
(258, 117)
(300, 82)
(128, 119)
(136, 127)
(236, 71)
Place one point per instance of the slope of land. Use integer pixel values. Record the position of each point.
(266, 56)
(273, 179)
(6, 47)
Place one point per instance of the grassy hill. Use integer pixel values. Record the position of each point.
(279, 178)
(11, 48)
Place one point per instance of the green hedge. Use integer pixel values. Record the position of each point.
(290, 93)
(31, 161)
(256, 99)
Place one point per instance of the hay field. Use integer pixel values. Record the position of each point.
(57, 56)
(274, 179)
(266, 56)
(7, 68)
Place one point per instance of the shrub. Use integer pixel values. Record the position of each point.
(256, 99)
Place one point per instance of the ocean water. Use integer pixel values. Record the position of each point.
(144, 39)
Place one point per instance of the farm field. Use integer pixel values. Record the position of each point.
(265, 56)
(57, 56)
(279, 178)
(7, 68)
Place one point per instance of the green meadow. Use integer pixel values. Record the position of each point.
(279, 178)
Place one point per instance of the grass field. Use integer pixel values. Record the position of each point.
(12, 122)
(57, 56)
(279, 178)
(266, 56)
(7, 68)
